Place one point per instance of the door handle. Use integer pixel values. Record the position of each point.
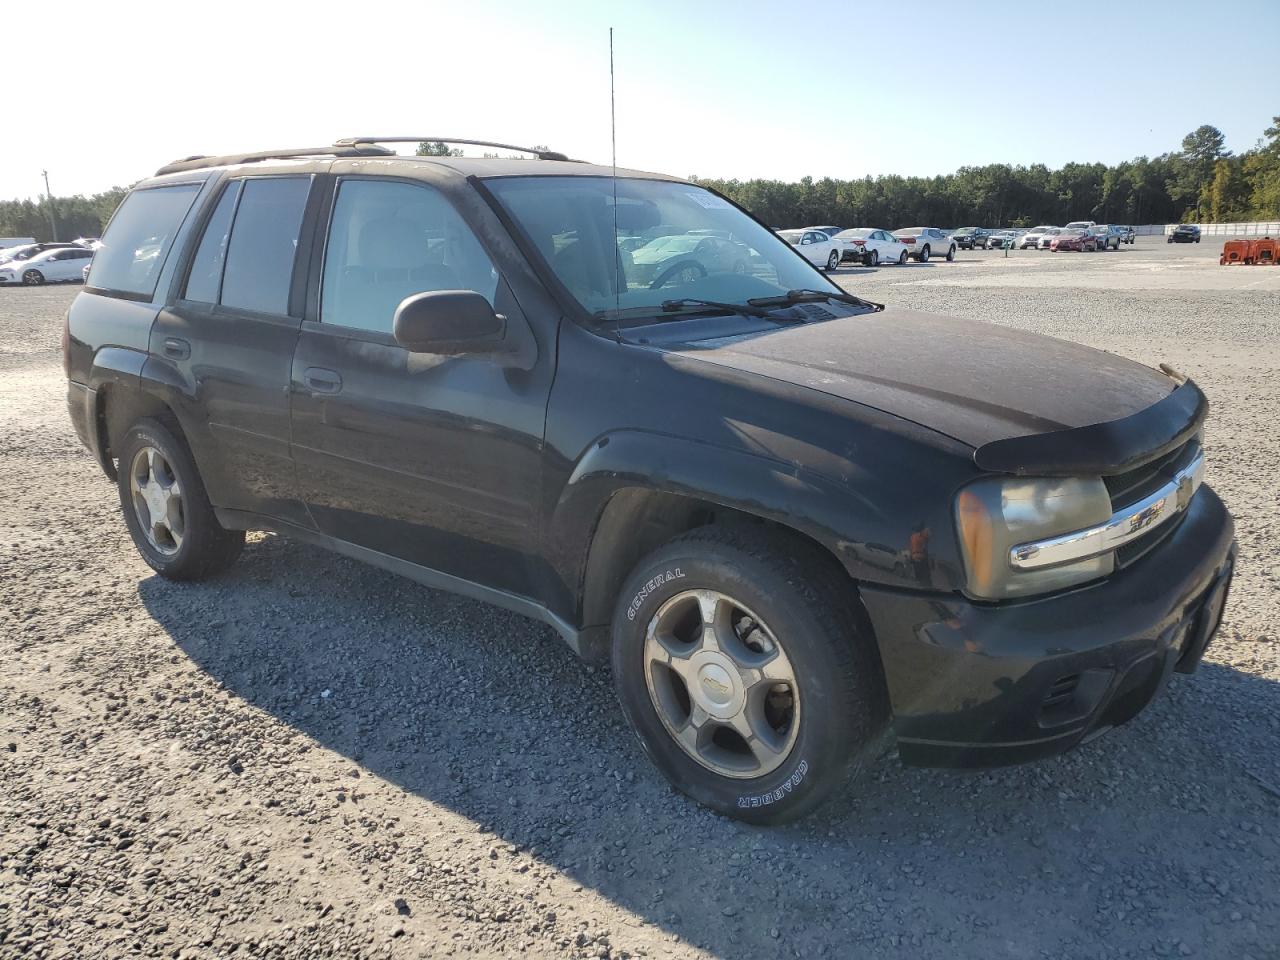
(176, 348)
(321, 380)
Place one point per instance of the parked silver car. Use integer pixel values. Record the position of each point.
(1107, 236)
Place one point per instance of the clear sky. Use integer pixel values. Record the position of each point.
(104, 92)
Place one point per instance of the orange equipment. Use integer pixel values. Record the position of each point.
(1235, 251)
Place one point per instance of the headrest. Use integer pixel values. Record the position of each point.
(391, 243)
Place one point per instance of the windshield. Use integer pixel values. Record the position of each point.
(674, 240)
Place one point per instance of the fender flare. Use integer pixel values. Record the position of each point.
(822, 510)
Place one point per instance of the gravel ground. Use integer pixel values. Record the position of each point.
(309, 757)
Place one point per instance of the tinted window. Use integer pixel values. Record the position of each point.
(390, 240)
(264, 240)
(205, 278)
(139, 237)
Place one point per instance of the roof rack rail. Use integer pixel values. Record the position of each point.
(541, 154)
(341, 149)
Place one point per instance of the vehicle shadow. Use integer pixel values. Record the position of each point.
(491, 716)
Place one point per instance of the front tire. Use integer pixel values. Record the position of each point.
(739, 663)
(33, 277)
(166, 508)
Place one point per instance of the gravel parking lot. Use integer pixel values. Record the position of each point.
(308, 757)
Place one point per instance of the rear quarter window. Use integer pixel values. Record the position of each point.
(138, 239)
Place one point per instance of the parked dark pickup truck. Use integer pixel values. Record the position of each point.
(801, 526)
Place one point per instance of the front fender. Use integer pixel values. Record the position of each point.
(862, 518)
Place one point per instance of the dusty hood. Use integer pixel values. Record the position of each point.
(976, 382)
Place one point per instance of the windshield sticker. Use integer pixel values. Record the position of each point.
(709, 200)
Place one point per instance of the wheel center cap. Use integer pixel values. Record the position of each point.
(716, 683)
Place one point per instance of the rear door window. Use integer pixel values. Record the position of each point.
(258, 272)
(138, 240)
(204, 282)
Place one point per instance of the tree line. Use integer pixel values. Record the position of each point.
(67, 217)
(1202, 182)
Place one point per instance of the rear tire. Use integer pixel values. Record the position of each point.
(833, 261)
(951, 253)
(873, 258)
(166, 508)
(924, 254)
(743, 588)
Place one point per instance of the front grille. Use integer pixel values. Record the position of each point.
(1132, 485)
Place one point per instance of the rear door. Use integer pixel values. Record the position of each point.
(431, 459)
(229, 335)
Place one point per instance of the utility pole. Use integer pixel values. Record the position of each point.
(53, 217)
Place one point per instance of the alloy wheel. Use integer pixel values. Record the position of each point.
(721, 684)
(157, 500)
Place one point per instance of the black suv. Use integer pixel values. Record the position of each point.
(802, 526)
(971, 238)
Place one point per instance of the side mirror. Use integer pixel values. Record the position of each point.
(448, 322)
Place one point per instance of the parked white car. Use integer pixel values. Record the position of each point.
(1046, 238)
(1032, 237)
(925, 242)
(815, 246)
(48, 266)
(872, 246)
(7, 242)
(1081, 225)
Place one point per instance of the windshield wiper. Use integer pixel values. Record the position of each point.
(688, 305)
(809, 296)
(684, 303)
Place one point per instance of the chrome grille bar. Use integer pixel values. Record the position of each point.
(1125, 525)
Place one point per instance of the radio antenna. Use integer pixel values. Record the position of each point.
(613, 142)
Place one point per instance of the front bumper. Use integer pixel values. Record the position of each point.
(974, 684)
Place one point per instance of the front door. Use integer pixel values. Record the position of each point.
(428, 458)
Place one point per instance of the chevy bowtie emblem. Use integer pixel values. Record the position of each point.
(1184, 492)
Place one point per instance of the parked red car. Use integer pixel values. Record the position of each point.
(1074, 240)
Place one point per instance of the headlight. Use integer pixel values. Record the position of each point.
(996, 514)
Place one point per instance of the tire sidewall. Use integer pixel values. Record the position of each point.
(820, 757)
(33, 277)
